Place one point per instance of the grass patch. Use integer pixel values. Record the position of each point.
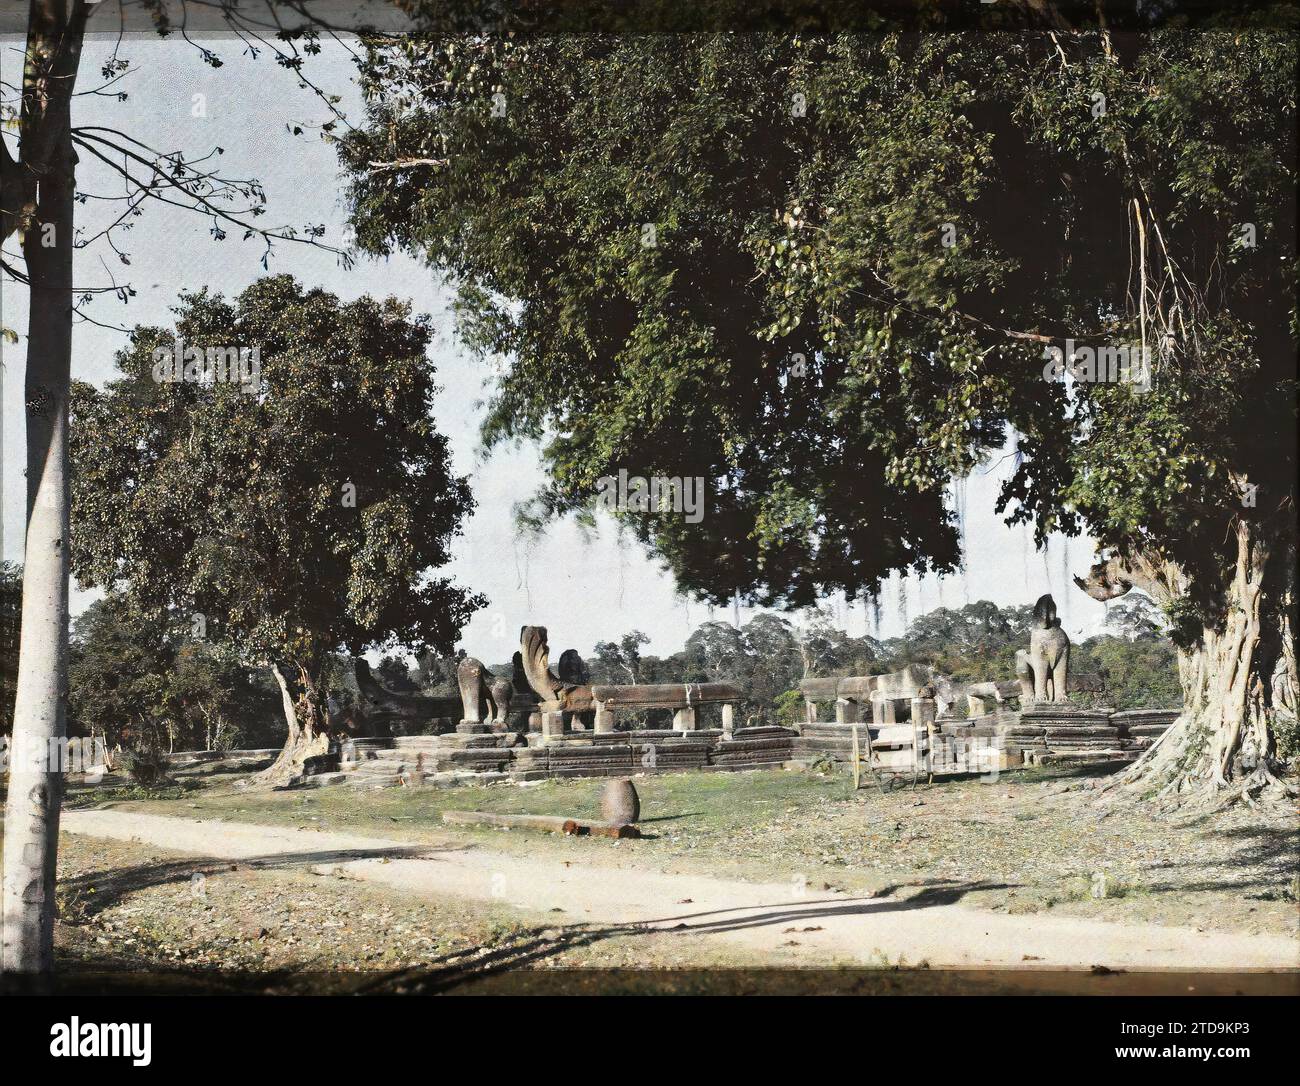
(709, 805)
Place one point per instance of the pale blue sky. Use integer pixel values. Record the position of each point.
(584, 591)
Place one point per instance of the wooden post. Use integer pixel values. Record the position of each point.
(923, 717)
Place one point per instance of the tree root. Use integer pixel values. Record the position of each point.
(1177, 773)
(287, 770)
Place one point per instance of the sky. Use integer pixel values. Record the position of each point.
(583, 590)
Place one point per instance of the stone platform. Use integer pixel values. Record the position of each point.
(1039, 734)
(497, 756)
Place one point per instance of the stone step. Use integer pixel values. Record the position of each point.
(416, 742)
(813, 743)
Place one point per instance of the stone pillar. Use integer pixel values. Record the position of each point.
(552, 726)
(810, 712)
(728, 719)
(684, 720)
(846, 711)
(535, 721)
(604, 718)
(883, 711)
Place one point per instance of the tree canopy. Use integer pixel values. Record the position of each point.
(828, 273)
(829, 311)
(289, 516)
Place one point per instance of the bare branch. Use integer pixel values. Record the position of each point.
(407, 164)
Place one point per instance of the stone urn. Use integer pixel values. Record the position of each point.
(619, 802)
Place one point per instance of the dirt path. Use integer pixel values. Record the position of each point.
(829, 927)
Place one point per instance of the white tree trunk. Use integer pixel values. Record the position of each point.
(35, 782)
(32, 809)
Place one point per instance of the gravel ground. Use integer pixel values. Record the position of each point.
(131, 908)
(1016, 843)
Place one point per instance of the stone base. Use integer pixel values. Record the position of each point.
(1064, 712)
(473, 727)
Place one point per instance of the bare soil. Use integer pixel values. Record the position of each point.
(179, 920)
(1015, 844)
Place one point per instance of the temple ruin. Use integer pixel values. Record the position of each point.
(542, 721)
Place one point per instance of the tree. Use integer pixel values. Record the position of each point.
(437, 674)
(1136, 673)
(136, 680)
(622, 658)
(395, 674)
(829, 312)
(974, 643)
(289, 518)
(1136, 616)
(119, 662)
(717, 648)
(38, 195)
(221, 704)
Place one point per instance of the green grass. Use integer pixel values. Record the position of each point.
(708, 805)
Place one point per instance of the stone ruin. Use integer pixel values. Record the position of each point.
(552, 722)
(543, 721)
(1026, 720)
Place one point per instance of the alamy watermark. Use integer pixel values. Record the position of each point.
(1113, 364)
(57, 754)
(116, 1040)
(209, 365)
(657, 494)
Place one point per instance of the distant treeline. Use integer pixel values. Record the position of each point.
(1132, 665)
(142, 681)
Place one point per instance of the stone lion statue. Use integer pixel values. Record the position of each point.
(1043, 671)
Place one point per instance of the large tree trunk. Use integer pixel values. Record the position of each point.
(35, 784)
(307, 722)
(1238, 679)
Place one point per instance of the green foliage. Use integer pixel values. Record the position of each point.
(621, 658)
(1286, 732)
(395, 674)
(789, 708)
(799, 333)
(203, 500)
(1136, 616)
(136, 680)
(146, 765)
(975, 643)
(1137, 673)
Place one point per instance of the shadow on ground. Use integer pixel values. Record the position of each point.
(95, 891)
